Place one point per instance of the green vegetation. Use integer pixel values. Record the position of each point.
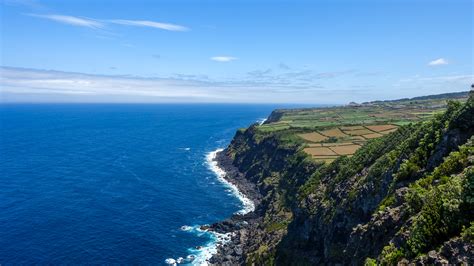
(442, 201)
(391, 255)
(351, 125)
(370, 262)
(277, 226)
(399, 112)
(407, 191)
(468, 233)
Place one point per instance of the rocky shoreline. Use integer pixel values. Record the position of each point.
(239, 226)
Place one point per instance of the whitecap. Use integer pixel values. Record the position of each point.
(170, 261)
(186, 228)
(200, 255)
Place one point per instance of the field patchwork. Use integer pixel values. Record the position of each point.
(331, 132)
(329, 143)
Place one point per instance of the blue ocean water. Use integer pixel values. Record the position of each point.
(111, 183)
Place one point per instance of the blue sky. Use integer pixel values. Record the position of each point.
(234, 51)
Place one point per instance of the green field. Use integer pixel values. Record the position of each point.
(351, 124)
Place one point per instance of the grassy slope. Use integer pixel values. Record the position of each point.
(298, 190)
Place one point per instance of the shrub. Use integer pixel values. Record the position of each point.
(439, 218)
(370, 262)
(391, 255)
(468, 233)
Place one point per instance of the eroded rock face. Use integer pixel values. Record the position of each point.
(453, 252)
(261, 170)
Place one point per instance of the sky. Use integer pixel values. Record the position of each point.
(261, 51)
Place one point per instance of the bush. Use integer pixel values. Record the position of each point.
(467, 206)
(407, 170)
(468, 233)
(440, 218)
(370, 262)
(391, 255)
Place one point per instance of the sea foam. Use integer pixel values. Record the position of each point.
(261, 121)
(202, 255)
(248, 205)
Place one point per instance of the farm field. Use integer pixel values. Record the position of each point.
(343, 140)
(330, 132)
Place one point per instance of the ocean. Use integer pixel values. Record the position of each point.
(114, 183)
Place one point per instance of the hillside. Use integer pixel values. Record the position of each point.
(405, 194)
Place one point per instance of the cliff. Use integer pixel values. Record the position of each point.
(406, 197)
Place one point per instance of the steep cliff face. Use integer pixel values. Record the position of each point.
(405, 197)
(278, 167)
(369, 206)
(274, 116)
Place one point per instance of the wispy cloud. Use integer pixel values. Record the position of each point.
(434, 84)
(267, 85)
(150, 24)
(18, 84)
(467, 79)
(438, 62)
(33, 4)
(101, 23)
(223, 58)
(284, 66)
(70, 20)
(32, 81)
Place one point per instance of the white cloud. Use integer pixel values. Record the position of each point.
(150, 24)
(19, 84)
(271, 86)
(18, 80)
(223, 58)
(99, 23)
(438, 62)
(70, 20)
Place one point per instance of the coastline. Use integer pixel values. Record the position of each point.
(267, 231)
(240, 224)
(225, 247)
(223, 170)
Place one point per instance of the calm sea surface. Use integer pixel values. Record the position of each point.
(95, 183)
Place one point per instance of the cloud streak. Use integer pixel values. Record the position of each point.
(70, 20)
(149, 24)
(101, 23)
